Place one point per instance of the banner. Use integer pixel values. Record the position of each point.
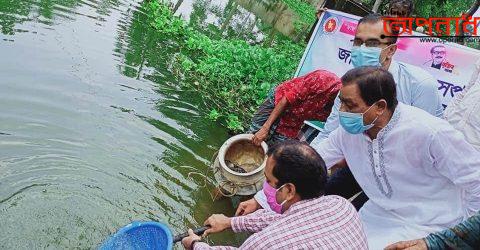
(330, 46)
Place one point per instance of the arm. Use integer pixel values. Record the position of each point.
(205, 246)
(427, 97)
(262, 200)
(465, 235)
(255, 221)
(262, 134)
(458, 160)
(330, 125)
(260, 240)
(330, 149)
(192, 241)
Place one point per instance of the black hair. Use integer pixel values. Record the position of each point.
(409, 3)
(374, 83)
(375, 18)
(436, 46)
(298, 163)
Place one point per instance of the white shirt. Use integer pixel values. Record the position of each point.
(463, 112)
(415, 87)
(420, 174)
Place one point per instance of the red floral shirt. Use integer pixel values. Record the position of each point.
(309, 97)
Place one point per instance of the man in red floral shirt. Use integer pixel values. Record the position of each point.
(308, 97)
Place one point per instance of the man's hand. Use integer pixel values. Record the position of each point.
(247, 207)
(339, 165)
(419, 244)
(217, 223)
(260, 136)
(187, 241)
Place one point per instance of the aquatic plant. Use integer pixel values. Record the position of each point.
(232, 76)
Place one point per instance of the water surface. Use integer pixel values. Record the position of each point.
(94, 129)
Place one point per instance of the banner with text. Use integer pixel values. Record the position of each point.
(331, 43)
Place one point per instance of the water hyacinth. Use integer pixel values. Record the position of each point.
(232, 76)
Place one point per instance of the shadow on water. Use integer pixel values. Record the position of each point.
(95, 129)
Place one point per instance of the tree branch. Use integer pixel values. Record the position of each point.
(376, 6)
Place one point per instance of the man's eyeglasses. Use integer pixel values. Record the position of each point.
(369, 43)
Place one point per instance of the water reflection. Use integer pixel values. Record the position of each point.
(252, 20)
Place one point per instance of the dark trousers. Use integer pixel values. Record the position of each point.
(342, 183)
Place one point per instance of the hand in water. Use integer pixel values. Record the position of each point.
(247, 207)
(260, 136)
(408, 245)
(218, 223)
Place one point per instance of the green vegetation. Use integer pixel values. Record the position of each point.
(431, 8)
(450, 8)
(232, 76)
(304, 11)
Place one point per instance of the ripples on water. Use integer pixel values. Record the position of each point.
(93, 127)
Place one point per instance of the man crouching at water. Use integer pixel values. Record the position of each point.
(302, 218)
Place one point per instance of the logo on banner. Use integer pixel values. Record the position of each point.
(330, 25)
(465, 28)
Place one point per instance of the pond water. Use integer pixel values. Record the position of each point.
(95, 131)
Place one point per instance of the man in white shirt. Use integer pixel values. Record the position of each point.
(419, 172)
(414, 86)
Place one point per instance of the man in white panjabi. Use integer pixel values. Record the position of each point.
(419, 172)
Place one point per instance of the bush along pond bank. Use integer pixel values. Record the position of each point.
(232, 76)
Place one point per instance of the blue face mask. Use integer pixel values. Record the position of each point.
(366, 56)
(353, 122)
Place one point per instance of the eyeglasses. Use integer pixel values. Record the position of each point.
(357, 42)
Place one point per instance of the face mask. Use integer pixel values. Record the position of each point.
(271, 194)
(366, 56)
(353, 122)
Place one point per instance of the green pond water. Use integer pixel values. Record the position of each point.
(95, 131)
